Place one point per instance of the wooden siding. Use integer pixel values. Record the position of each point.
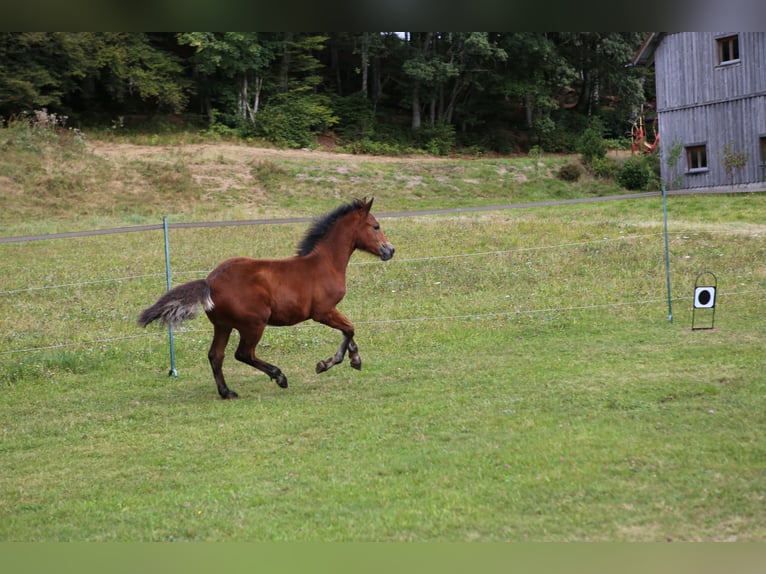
(688, 72)
(700, 101)
(739, 123)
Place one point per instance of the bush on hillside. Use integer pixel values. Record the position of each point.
(634, 174)
(604, 168)
(569, 172)
(592, 145)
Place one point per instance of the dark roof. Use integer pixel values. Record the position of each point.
(645, 54)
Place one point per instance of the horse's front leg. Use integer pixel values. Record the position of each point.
(336, 320)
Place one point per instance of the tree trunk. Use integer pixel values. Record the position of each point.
(432, 112)
(450, 111)
(528, 109)
(284, 68)
(335, 67)
(416, 121)
(365, 61)
(377, 83)
(585, 99)
(256, 98)
(243, 106)
(247, 111)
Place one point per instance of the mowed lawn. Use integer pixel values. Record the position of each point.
(521, 382)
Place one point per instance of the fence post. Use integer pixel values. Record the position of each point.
(667, 251)
(173, 372)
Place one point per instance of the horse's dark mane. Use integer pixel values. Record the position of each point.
(322, 226)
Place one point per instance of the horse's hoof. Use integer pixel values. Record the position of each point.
(230, 395)
(322, 366)
(281, 380)
(357, 364)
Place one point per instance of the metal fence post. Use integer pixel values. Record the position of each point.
(173, 372)
(667, 251)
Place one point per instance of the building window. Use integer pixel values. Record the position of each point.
(728, 49)
(763, 158)
(696, 158)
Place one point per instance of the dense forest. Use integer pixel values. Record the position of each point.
(493, 91)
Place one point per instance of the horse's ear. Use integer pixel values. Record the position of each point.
(368, 204)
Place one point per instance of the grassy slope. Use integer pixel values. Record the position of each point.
(530, 389)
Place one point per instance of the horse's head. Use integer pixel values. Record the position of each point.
(370, 236)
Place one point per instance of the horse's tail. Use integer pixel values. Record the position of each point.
(179, 304)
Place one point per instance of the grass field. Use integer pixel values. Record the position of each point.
(521, 381)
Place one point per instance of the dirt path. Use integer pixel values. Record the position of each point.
(238, 152)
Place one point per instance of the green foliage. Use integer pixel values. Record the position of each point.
(591, 145)
(435, 140)
(356, 116)
(636, 173)
(292, 120)
(133, 69)
(733, 159)
(672, 157)
(38, 130)
(604, 167)
(569, 172)
(375, 147)
(617, 144)
(39, 69)
(560, 133)
(499, 91)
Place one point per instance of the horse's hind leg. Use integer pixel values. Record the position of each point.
(216, 356)
(246, 354)
(353, 354)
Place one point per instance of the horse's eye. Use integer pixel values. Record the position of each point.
(376, 227)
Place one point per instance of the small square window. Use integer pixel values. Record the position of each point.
(728, 49)
(696, 157)
(763, 158)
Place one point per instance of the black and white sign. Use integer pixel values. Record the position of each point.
(704, 297)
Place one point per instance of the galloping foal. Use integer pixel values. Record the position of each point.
(249, 294)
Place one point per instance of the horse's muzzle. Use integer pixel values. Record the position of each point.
(386, 251)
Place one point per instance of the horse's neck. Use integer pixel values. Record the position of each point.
(336, 251)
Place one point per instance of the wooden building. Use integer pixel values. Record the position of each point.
(711, 106)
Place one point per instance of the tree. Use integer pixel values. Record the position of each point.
(493, 89)
(85, 71)
(300, 68)
(600, 59)
(534, 74)
(443, 67)
(135, 73)
(296, 109)
(733, 159)
(40, 69)
(238, 57)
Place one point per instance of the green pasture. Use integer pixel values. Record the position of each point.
(521, 382)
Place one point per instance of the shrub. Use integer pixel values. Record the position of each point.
(604, 167)
(560, 132)
(37, 130)
(356, 116)
(294, 119)
(569, 172)
(436, 140)
(372, 147)
(591, 144)
(635, 174)
(267, 173)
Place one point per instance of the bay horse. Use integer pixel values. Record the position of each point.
(249, 294)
